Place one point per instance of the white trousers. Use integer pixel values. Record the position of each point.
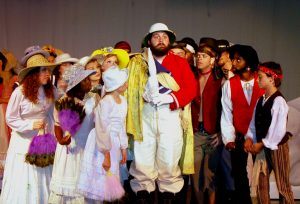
(157, 156)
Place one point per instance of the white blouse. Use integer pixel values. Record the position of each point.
(21, 114)
(277, 127)
(110, 122)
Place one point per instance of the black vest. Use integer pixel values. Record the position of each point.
(263, 116)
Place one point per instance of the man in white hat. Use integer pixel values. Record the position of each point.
(159, 85)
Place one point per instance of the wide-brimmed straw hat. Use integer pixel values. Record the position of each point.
(114, 78)
(33, 50)
(75, 74)
(122, 55)
(35, 61)
(156, 27)
(65, 57)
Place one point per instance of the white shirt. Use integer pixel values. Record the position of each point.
(227, 128)
(277, 127)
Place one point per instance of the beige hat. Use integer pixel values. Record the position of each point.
(85, 60)
(33, 62)
(65, 57)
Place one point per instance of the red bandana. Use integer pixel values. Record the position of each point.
(270, 72)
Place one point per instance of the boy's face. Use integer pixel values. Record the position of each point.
(264, 81)
(109, 62)
(179, 52)
(204, 61)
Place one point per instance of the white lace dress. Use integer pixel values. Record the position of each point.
(68, 160)
(110, 129)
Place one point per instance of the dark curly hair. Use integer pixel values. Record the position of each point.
(31, 86)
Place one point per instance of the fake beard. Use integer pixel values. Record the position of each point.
(159, 52)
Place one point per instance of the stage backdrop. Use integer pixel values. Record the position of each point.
(272, 27)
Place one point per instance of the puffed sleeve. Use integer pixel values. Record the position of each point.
(277, 128)
(227, 128)
(13, 113)
(102, 125)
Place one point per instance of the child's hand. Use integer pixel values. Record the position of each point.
(248, 145)
(257, 147)
(124, 156)
(106, 162)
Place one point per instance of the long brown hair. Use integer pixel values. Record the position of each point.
(31, 85)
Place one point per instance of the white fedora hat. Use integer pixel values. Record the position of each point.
(158, 27)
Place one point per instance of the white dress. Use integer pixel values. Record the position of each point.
(68, 159)
(22, 182)
(110, 129)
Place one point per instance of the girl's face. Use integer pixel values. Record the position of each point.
(264, 81)
(94, 65)
(86, 85)
(64, 66)
(122, 88)
(44, 75)
(109, 62)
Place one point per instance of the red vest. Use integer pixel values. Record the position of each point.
(241, 110)
(211, 104)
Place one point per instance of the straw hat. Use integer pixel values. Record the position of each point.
(114, 78)
(122, 55)
(158, 27)
(65, 57)
(75, 74)
(33, 50)
(35, 61)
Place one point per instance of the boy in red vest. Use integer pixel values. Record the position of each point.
(239, 96)
(268, 131)
(206, 112)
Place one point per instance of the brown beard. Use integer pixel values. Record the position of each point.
(159, 52)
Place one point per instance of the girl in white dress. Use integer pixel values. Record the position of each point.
(29, 109)
(106, 149)
(69, 151)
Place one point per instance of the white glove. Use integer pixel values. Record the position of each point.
(151, 89)
(161, 99)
